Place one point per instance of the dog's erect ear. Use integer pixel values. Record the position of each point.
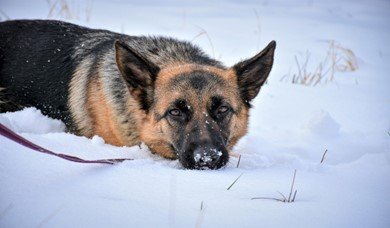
(253, 72)
(138, 72)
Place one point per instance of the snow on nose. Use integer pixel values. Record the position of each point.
(207, 157)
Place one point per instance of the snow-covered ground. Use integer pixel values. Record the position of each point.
(291, 126)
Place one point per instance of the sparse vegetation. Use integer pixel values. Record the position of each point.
(62, 9)
(203, 32)
(201, 215)
(323, 156)
(258, 29)
(284, 199)
(50, 216)
(338, 59)
(239, 159)
(234, 182)
(4, 16)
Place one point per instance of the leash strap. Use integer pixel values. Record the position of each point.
(8, 133)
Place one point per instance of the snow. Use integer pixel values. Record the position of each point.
(290, 127)
(321, 124)
(31, 120)
(97, 140)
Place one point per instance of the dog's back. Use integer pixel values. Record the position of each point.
(38, 59)
(36, 65)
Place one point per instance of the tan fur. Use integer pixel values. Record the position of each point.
(104, 122)
(238, 127)
(129, 121)
(102, 119)
(77, 102)
(168, 72)
(157, 135)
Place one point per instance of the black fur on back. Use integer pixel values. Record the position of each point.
(39, 57)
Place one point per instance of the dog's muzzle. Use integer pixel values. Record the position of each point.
(209, 157)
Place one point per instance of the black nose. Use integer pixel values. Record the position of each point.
(207, 157)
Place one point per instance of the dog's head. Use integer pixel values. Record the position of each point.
(195, 113)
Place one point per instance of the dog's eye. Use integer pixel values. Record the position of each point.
(175, 112)
(223, 109)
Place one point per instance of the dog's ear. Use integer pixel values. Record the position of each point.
(252, 73)
(138, 72)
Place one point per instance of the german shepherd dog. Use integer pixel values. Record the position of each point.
(129, 90)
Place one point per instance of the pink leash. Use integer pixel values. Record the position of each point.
(8, 133)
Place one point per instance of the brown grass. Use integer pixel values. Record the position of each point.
(50, 216)
(337, 60)
(284, 199)
(239, 160)
(258, 29)
(200, 218)
(203, 32)
(234, 181)
(323, 156)
(62, 9)
(4, 16)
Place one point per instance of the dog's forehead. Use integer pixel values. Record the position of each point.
(173, 72)
(197, 80)
(195, 84)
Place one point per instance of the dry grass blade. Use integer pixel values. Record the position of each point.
(201, 215)
(52, 7)
(204, 32)
(283, 196)
(88, 11)
(291, 197)
(234, 182)
(323, 156)
(337, 59)
(198, 35)
(69, 10)
(49, 217)
(292, 186)
(4, 15)
(239, 159)
(258, 29)
(61, 7)
(268, 198)
(295, 194)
